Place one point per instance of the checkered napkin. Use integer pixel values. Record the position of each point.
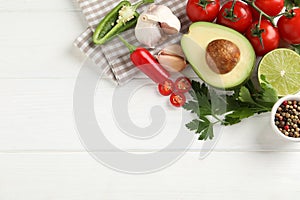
(113, 57)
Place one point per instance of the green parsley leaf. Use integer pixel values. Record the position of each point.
(203, 127)
(204, 104)
(199, 93)
(297, 47)
(245, 96)
(240, 113)
(193, 125)
(218, 102)
(244, 102)
(193, 107)
(208, 132)
(268, 94)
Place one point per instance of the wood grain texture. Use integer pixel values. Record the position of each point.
(38, 39)
(41, 154)
(220, 176)
(37, 114)
(39, 6)
(39, 44)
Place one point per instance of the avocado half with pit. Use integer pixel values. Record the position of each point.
(220, 56)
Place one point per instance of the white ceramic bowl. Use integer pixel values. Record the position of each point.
(273, 112)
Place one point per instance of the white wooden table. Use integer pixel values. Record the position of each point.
(42, 157)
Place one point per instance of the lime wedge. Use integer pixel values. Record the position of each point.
(281, 67)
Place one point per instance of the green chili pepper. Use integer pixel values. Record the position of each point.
(124, 16)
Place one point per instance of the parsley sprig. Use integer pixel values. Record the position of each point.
(214, 107)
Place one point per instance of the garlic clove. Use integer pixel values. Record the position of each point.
(172, 58)
(172, 63)
(168, 21)
(168, 29)
(155, 24)
(174, 49)
(148, 33)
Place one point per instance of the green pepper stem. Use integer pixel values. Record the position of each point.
(130, 47)
(135, 6)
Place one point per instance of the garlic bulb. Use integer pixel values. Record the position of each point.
(155, 24)
(172, 58)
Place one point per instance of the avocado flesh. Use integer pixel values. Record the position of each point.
(194, 45)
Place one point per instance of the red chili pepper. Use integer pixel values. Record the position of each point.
(147, 63)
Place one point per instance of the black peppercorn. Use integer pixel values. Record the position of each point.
(287, 118)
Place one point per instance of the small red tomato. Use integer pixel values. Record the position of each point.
(183, 84)
(289, 27)
(240, 19)
(202, 10)
(270, 7)
(269, 37)
(166, 88)
(177, 99)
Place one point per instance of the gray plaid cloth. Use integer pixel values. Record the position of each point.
(113, 57)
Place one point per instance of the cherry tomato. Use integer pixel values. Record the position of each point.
(177, 99)
(240, 19)
(202, 10)
(166, 88)
(289, 29)
(269, 35)
(183, 84)
(270, 7)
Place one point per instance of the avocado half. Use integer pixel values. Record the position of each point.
(195, 44)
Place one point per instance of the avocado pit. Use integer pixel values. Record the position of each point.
(222, 55)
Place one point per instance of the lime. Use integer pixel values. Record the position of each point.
(281, 67)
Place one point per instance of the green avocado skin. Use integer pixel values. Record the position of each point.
(188, 50)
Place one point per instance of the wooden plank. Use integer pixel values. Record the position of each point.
(40, 44)
(221, 175)
(38, 40)
(38, 6)
(38, 115)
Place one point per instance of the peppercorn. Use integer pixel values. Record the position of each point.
(287, 118)
(295, 126)
(281, 123)
(280, 118)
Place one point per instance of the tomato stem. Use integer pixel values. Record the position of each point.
(260, 31)
(229, 13)
(288, 13)
(290, 4)
(252, 3)
(280, 14)
(232, 7)
(204, 3)
(257, 31)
